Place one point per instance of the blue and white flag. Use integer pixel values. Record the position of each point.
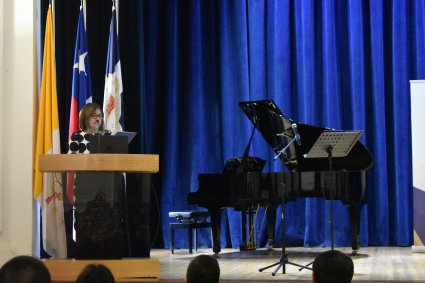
(81, 88)
(113, 81)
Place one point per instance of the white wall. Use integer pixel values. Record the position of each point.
(1, 108)
(17, 90)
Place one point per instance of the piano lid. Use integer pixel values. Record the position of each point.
(277, 131)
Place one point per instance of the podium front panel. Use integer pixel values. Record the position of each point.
(99, 215)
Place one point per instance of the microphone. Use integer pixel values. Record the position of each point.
(296, 135)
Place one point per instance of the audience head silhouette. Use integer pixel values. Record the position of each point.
(24, 269)
(95, 274)
(333, 267)
(203, 269)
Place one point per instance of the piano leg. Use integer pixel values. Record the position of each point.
(355, 227)
(248, 238)
(243, 244)
(271, 222)
(251, 245)
(216, 228)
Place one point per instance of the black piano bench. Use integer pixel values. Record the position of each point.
(188, 220)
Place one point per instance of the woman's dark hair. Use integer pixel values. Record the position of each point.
(24, 269)
(95, 274)
(86, 113)
(203, 269)
(333, 267)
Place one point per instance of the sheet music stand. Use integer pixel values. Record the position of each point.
(332, 144)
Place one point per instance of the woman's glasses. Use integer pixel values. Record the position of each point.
(94, 115)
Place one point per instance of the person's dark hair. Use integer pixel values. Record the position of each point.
(333, 267)
(24, 269)
(203, 269)
(95, 274)
(85, 116)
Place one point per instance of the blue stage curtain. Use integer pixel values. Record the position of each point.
(338, 64)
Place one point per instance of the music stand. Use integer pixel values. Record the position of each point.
(332, 144)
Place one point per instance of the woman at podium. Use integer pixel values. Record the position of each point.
(91, 123)
(98, 195)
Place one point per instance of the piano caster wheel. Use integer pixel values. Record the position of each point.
(354, 252)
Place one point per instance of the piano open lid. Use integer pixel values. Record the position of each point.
(269, 120)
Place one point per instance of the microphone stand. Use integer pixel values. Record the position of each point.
(283, 150)
(283, 257)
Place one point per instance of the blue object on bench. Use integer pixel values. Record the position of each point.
(189, 220)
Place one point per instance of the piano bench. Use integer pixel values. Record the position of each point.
(188, 220)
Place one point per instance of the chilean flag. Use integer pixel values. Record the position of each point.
(113, 81)
(81, 89)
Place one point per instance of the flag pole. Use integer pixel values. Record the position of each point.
(115, 4)
(84, 7)
(52, 10)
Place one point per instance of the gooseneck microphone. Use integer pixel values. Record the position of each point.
(296, 135)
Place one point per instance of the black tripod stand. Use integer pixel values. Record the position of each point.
(283, 260)
(283, 257)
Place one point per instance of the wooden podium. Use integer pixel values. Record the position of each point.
(124, 271)
(96, 164)
(130, 163)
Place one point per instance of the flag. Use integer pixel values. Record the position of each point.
(81, 85)
(113, 82)
(81, 89)
(47, 186)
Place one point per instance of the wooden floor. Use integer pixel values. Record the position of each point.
(372, 264)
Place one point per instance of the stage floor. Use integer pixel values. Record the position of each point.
(371, 264)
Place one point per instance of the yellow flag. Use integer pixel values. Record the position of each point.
(47, 186)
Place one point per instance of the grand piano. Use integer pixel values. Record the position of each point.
(305, 177)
